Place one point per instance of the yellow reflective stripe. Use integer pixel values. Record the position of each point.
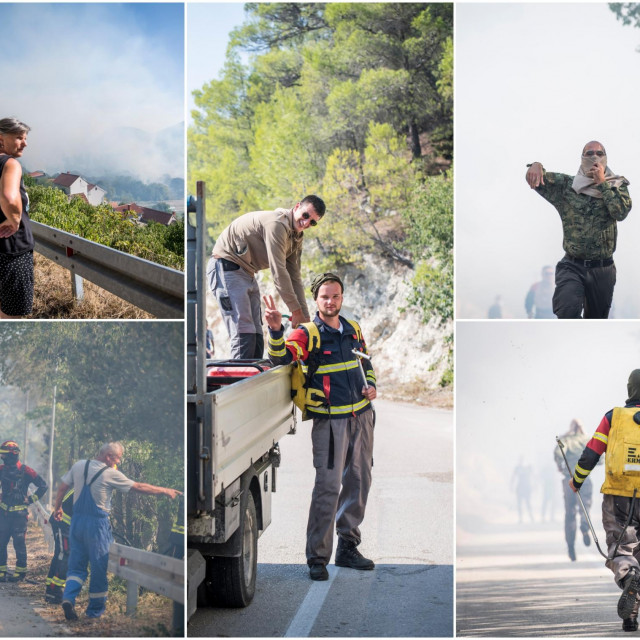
(584, 472)
(347, 408)
(18, 507)
(297, 347)
(59, 582)
(340, 366)
(601, 437)
(276, 354)
(66, 518)
(20, 570)
(3, 506)
(276, 342)
(177, 529)
(67, 495)
(34, 498)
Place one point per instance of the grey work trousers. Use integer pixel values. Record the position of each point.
(340, 494)
(615, 511)
(238, 297)
(572, 509)
(579, 287)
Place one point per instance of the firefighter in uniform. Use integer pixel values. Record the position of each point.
(58, 569)
(618, 434)
(15, 479)
(342, 436)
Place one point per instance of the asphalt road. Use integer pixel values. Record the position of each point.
(517, 580)
(408, 532)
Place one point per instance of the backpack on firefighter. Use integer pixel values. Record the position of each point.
(301, 374)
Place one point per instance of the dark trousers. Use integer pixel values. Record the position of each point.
(57, 575)
(579, 287)
(14, 526)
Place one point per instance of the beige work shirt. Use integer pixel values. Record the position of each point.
(267, 239)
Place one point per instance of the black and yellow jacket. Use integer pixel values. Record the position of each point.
(337, 381)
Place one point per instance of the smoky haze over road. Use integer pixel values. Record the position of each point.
(517, 103)
(519, 384)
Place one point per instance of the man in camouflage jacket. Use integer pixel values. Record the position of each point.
(590, 204)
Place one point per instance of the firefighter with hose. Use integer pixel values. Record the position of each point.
(619, 436)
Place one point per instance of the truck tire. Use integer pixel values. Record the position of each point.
(233, 580)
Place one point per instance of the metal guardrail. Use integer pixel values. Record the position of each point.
(152, 287)
(159, 573)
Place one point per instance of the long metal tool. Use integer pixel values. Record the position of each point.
(359, 355)
(586, 513)
(593, 533)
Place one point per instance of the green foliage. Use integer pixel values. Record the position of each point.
(157, 243)
(627, 12)
(430, 239)
(115, 381)
(337, 100)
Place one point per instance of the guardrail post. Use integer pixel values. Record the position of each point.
(178, 620)
(132, 597)
(77, 287)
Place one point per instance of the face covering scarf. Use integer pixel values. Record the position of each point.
(582, 183)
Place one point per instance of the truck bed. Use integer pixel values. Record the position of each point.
(247, 419)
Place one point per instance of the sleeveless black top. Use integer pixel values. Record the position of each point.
(22, 240)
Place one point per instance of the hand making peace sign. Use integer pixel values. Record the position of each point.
(271, 314)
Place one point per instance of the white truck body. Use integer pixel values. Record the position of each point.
(232, 436)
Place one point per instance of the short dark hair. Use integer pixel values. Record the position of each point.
(316, 202)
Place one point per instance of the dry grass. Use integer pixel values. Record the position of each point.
(153, 617)
(53, 299)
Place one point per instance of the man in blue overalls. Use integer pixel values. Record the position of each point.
(90, 534)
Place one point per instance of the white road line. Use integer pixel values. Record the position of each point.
(305, 618)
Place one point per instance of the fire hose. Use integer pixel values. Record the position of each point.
(584, 509)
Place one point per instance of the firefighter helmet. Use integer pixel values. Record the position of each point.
(9, 446)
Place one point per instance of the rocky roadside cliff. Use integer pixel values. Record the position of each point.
(409, 357)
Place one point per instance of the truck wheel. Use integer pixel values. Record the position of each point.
(234, 579)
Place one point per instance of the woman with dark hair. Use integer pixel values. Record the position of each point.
(16, 239)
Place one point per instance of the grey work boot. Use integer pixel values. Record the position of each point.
(347, 555)
(630, 586)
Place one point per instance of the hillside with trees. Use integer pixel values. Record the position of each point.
(353, 102)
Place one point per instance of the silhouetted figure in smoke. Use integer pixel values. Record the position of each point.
(495, 310)
(521, 478)
(538, 302)
(575, 440)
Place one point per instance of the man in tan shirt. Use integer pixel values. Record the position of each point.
(252, 242)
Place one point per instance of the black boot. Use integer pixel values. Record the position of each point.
(347, 555)
(318, 571)
(630, 586)
(17, 577)
(69, 610)
(630, 624)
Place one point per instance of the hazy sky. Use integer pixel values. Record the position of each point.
(209, 25)
(518, 385)
(536, 82)
(82, 74)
